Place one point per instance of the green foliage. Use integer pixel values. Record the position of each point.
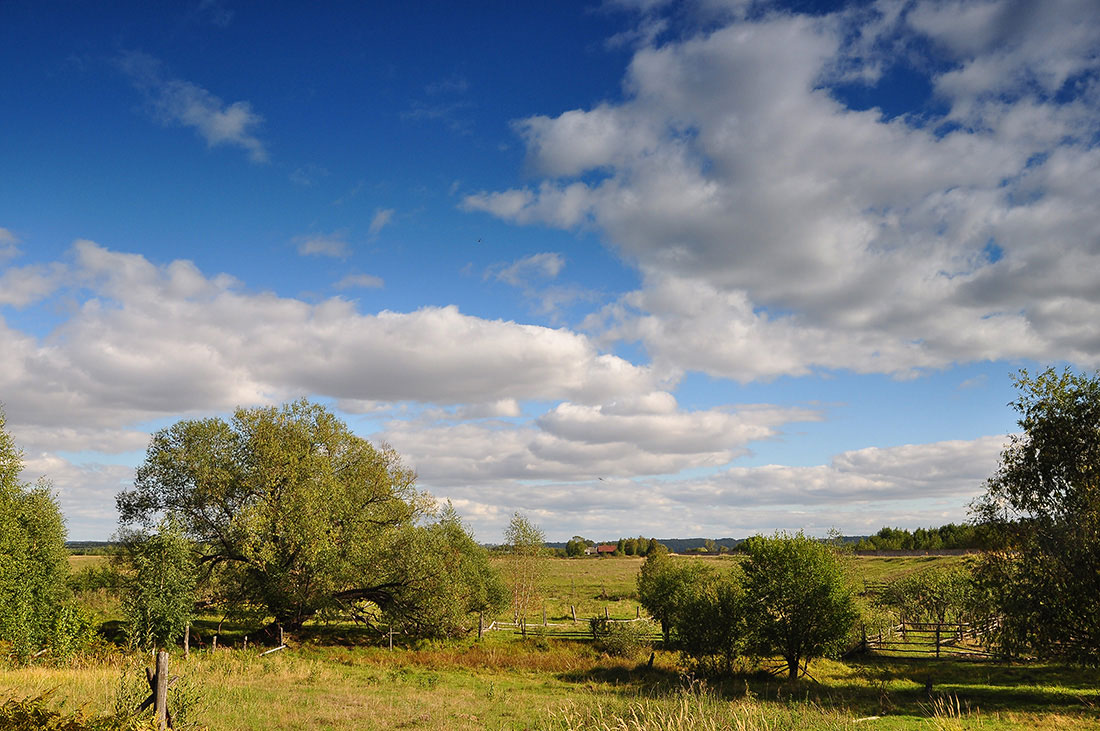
(576, 545)
(665, 584)
(34, 598)
(159, 588)
(949, 536)
(798, 604)
(618, 638)
(932, 595)
(711, 622)
(450, 582)
(524, 541)
(1045, 499)
(290, 511)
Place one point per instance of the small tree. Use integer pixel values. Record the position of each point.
(34, 599)
(934, 594)
(159, 593)
(524, 541)
(710, 621)
(664, 587)
(798, 604)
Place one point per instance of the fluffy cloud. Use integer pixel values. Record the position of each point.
(808, 234)
(916, 485)
(641, 434)
(157, 341)
(178, 102)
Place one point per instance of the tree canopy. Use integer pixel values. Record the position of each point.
(293, 514)
(33, 559)
(799, 604)
(1045, 499)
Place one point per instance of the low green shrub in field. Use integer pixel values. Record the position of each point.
(620, 639)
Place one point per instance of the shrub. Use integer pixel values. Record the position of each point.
(621, 639)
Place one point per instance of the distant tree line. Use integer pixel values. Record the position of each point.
(950, 536)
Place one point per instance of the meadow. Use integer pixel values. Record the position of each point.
(330, 678)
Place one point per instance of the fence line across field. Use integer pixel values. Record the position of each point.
(930, 638)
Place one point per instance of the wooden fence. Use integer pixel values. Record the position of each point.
(577, 629)
(937, 639)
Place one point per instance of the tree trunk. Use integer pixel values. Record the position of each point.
(792, 668)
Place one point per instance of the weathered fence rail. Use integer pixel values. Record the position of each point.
(938, 639)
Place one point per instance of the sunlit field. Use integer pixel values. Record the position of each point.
(338, 676)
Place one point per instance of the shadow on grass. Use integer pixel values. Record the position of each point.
(882, 686)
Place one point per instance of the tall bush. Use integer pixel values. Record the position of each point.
(33, 560)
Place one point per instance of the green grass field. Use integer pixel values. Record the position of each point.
(505, 682)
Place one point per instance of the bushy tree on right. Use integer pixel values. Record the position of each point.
(1045, 501)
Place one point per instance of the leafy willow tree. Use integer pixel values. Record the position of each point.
(798, 603)
(159, 584)
(524, 543)
(1045, 499)
(34, 607)
(292, 513)
(665, 586)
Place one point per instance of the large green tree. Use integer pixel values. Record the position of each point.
(1045, 499)
(33, 559)
(798, 603)
(293, 514)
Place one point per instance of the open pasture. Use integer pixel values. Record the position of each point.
(337, 676)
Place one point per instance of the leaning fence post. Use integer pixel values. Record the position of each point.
(160, 700)
(573, 611)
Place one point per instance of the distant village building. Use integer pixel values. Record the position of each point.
(606, 549)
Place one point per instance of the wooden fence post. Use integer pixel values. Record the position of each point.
(480, 625)
(605, 614)
(160, 699)
(187, 641)
(863, 644)
(544, 614)
(281, 635)
(937, 640)
(573, 611)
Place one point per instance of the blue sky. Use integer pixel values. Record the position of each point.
(699, 268)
